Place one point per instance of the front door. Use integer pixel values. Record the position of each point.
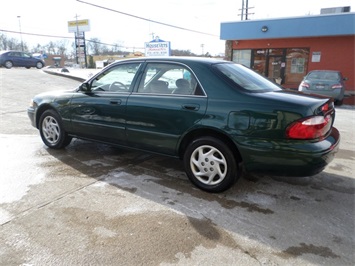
(101, 113)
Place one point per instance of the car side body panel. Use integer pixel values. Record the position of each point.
(156, 122)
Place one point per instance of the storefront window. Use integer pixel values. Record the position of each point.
(281, 65)
(242, 57)
(260, 56)
(296, 62)
(278, 52)
(297, 65)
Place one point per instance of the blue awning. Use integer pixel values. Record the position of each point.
(293, 27)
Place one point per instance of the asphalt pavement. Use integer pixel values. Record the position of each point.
(94, 204)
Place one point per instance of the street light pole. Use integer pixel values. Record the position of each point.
(19, 24)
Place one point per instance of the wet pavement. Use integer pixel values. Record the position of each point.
(93, 204)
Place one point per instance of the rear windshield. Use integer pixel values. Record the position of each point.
(323, 75)
(246, 78)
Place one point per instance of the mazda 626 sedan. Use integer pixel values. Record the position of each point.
(219, 117)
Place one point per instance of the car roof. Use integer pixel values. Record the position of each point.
(324, 71)
(8, 51)
(178, 59)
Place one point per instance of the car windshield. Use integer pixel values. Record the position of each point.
(323, 75)
(246, 78)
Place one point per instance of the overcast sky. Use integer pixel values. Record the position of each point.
(50, 17)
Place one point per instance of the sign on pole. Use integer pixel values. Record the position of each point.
(157, 47)
(79, 25)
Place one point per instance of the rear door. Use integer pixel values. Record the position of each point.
(16, 58)
(157, 118)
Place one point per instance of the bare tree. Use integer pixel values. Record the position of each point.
(11, 43)
(94, 46)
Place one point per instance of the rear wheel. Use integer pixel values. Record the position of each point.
(8, 64)
(338, 102)
(51, 130)
(210, 164)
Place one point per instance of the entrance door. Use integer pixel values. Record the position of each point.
(275, 69)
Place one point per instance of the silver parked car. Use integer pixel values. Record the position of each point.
(329, 83)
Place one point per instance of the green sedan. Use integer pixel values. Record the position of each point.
(219, 117)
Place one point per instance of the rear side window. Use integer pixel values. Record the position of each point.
(246, 78)
(168, 78)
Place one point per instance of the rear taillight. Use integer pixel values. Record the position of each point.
(337, 86)
(310, 128)
(304, 84)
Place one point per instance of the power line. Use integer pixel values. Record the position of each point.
(66, 37)
(36, 34)
(146, 19)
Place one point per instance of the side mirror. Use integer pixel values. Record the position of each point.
(85, 87)
(345, 79)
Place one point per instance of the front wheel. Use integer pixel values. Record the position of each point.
(52, 132)
(39, 65)
(210, 164)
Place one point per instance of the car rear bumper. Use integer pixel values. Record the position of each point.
(290, 158)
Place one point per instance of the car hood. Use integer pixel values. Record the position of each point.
(52, 95)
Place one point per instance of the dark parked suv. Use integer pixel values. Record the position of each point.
(11, 59)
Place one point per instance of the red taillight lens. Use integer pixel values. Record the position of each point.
(337, 86)
(325, 108)
(305, 84)
(309, 128)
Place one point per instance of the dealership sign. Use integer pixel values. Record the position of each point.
(79, 25)
(157, 47)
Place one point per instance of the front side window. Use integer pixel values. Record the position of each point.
(26, 55)
(116, 79)
(165, 78)
(246, 78)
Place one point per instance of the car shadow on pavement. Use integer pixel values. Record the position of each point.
(308, 217)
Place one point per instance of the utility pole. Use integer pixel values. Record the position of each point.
(245, 10)
(77, 42)
(19, 24)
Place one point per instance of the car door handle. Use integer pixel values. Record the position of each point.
(191, 107)
(116, 101)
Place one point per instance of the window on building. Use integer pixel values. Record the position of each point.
(297, 65)
(242, 57)
(259, 63)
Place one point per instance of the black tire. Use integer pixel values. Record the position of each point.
(339, 102)
(39, 65)
(8, 64)
(210, 164)
(51, 130)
